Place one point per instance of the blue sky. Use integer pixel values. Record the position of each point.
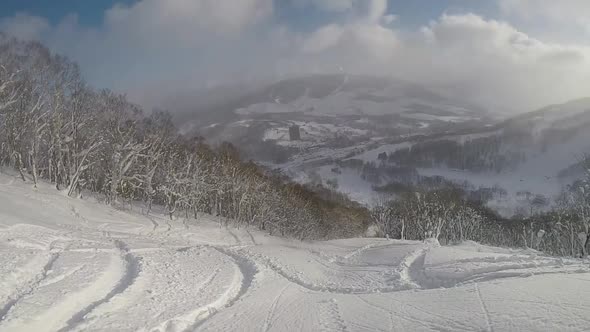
(90, 12)
(411, 13)
(498, 52)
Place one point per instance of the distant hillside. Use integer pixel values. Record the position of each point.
(332, 110)
(367, 132)
(536, 153)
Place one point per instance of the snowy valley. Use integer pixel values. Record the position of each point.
(363, 135)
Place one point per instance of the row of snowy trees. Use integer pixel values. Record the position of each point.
(441, 214)
(450, 217)
(480, 154)
(565, 230)
(54, 127)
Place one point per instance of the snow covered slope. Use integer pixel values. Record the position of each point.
(76, 265)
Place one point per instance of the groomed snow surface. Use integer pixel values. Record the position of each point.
(77, 265)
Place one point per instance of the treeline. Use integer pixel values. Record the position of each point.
(452, 215)
(494, 153)
(377, 173)
(55, 127)
(420, 215)
(391, 179)
(478, 155)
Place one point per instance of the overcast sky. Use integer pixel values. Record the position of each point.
(513, 54)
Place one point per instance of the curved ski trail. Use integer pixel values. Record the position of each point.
(30, 286)
(241, 283)
(64, 312)
(130, 272)
(183, 322)
(409, 272)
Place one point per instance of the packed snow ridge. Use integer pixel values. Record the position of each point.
(77, 265)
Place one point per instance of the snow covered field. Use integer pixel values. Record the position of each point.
(76, 265)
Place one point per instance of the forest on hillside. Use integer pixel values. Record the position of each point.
(54, 127)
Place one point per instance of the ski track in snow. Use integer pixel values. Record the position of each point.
(405, 272)
(233, 235)
(247, 268)
(411, 267)
(251, 237)
(122, 261)
(154, 223)
(273, 307)
(131, 271)
(32, 285)
(331, 318)
(360, 250)
(248, 271)
(7, 183)
(484, 308)
(185, 322)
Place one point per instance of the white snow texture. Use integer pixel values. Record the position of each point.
(77, 265)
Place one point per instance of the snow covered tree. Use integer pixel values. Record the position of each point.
(55, 127)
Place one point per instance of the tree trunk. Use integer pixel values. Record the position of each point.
(403, 235)
(33, 167)
(20, 167)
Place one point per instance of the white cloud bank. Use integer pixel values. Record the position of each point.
(576, 12)
(191, 43)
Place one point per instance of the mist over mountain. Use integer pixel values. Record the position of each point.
(360, 105)
(367, 133)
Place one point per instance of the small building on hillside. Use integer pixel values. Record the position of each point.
(294, 133)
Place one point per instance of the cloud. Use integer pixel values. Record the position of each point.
(498, 64)
(24, 26)
(326, 5)
(563, 10)
(564, 17)
(471, 34)
(388, 19)
(370, 9)
(326, 37)
(155, 40)
(467, 56)
(184, 17)
(156, 48)
(376, 10)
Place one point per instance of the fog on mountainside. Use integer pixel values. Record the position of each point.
(369, 134)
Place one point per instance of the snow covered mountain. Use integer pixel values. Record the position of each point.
(77, 265)
(366, 132)
(331, 110)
